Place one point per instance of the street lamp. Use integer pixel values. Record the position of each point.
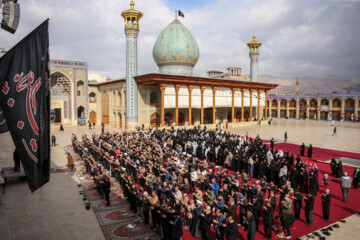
(3, 50)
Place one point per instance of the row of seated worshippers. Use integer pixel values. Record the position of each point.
(174, 178)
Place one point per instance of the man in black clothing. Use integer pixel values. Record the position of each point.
(106, 188)
(268, 219)
(287, 220)
(206, 220)
(326, 199)
(309, 209)
(53, 140)
(16, 161)
(256, 210)
(231, 209)
(231, 229)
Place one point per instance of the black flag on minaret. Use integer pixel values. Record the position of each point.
(25, 103)
(181, 14)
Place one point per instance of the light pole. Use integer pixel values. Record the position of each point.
(3, 50)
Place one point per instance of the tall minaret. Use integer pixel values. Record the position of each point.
(254, 46)
(132, 18)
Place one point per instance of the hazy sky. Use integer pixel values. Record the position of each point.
(300, 38)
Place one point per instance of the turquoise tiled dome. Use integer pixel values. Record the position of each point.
(175, 50)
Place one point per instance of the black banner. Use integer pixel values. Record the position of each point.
(25, 102)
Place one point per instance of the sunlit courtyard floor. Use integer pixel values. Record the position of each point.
(57, 212)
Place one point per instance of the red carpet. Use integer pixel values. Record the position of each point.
(318, 153)
(338, 209)
(115, 218)
(113, 227)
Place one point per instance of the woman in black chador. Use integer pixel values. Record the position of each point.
(302, 150)
(310, 150)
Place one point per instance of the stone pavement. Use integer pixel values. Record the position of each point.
(56, 211)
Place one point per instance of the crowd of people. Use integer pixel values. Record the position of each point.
(199, 179)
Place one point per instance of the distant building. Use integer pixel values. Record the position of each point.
(315, 106)
(172, 97)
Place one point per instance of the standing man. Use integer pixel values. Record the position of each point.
(250, 226)
(334, 132)
(326, 199)
(286, 204)
(285, 136)
(177, 226)
(219, 223)
(256, 210)
(268, 219)
(102, 128)
(106, 188)
(309, 209)
(297, 203)
(53, 140)
(231, 229)
(345, 184)
(146, 207)
(231, 209)
(206, 220)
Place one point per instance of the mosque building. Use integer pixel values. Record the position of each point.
(171, 97)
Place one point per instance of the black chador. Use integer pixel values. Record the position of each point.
(310, 150)
(333, 166)
(304, 181)
(302, 150)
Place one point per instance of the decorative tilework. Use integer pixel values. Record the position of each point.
(176, 48)
(131, 71)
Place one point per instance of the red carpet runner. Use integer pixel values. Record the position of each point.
(114, 219)
(338, 209)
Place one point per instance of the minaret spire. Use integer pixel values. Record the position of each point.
(132, 18)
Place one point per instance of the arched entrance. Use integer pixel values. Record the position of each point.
(61, 87)
(155, 119)
(324, 109)
(292, 108)
(336, 109)
(105, 118)
(283, 108)
(238, 116)
(349, 109)
(92, 117)
(247, 115)
(312, 109)
(81, 112)
(274, 106)
(80, 88)
(229, 116)
(181, 119)
(168, 119)
(120, 120)
(302, 109)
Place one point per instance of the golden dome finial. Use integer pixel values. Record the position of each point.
(132, 4)
(254, 37)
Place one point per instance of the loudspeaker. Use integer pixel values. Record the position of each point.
(11, 16)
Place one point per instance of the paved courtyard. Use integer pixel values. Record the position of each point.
(56, 211)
